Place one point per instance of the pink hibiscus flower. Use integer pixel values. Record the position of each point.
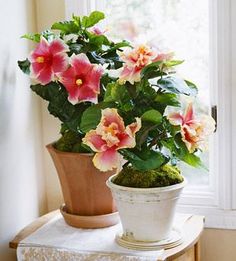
(82, 79)
(135, 60)
(110, 136)
(194, 131)
(48, 59)
(96, 30)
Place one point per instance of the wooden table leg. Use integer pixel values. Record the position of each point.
(197, 251)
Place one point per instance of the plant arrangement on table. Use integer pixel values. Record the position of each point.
(115, 100)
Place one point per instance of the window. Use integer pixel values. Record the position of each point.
(168, 24)
(200, 32)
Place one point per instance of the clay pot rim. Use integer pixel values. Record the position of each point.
(51, 147)
(116, 187)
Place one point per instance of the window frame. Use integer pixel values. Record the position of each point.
(218, 202)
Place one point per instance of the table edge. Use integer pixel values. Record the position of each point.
(32, 227)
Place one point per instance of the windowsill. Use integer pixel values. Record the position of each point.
(214, 216)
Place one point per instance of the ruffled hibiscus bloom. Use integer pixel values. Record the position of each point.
(135, 60)
(110, 136)
(82, 79)
(164, 57)
(48, 59)
(194, 131)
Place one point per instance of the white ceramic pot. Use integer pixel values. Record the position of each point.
(146, 213)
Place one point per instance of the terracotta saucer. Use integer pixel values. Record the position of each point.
(98, 221)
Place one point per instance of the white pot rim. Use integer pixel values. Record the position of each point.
(113, 186)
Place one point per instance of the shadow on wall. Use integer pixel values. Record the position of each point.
(22, 194)
(7, 92)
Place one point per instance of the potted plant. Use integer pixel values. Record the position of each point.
(145, 132)
(68, 69)
(114, 101)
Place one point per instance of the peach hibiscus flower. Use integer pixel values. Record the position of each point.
(135, 60)
(82, 79)
(194, 131)
(48, 59)
(164, 56)
(110, 136)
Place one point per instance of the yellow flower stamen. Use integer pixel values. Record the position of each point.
(40, 59)
(112, 129)
(79, 82)
(142, 49)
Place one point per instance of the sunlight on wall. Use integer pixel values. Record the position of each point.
(22, 194)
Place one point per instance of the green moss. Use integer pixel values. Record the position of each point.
(164, 176)
(70, 142)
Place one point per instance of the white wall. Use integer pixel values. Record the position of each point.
(22, 190)
(49, 12)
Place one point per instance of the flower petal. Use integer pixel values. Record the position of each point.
(130, 74)
(67, 78)
(85, 93)
(189, 113)
(111, 116)
(58, 46)
(164, 57)
(94, 77)
(132, 128)
(45, 75)
(41, 49)
(108, 160)
(94, 141)
(60, 62)
(81, 63)
(127, 140)
(35, 69)
(175, 118)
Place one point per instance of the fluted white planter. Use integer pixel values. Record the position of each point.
(146, 213)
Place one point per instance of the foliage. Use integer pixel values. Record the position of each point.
(144, 92)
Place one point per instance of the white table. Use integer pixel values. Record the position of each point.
(50, 238)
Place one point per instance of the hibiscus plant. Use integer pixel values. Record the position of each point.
(114, 98)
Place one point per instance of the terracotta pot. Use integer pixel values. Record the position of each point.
(83, 186)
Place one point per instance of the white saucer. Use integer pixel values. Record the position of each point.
(174, 239)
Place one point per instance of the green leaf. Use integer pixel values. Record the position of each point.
(143, 134)
(176, 85)
(59, 106)
(153, 116)
(173, 63)
(75, 48)
(152, 70)
(192, 86)
(145, 160)
(170, 99)
(97, 40)
(76, 20)
(117, 46)
(32, 37)
(193, 160)
(24, 66)
(183, 154)
(108, 96)
(92, 116)
(67, 27)
(92, 19)
(118, 93)
(47, 34)
(147, 90)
